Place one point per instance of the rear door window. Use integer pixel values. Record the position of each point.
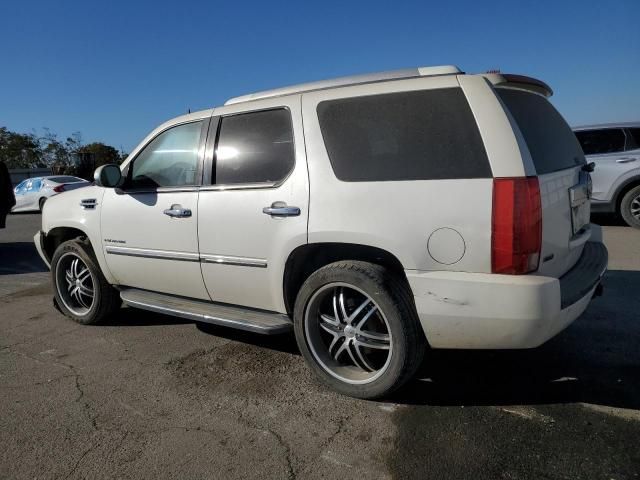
(552, 144)
(418, 135)
(598, 142)
(633, 139)
(254, 147)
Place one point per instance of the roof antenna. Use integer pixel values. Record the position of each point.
(188, 110)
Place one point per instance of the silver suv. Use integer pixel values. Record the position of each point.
(615, 149)
(374, 215)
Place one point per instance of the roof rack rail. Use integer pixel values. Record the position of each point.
(350, 80)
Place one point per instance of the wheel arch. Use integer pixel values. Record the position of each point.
(58, 235)
(306, 259)
(623, 189)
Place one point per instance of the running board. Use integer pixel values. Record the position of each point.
(257, 321)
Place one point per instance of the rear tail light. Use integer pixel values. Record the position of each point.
(59, 189)
(516, 225)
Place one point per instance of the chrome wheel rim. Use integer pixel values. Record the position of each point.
(348, 334)
(75, 284)
(635, 207)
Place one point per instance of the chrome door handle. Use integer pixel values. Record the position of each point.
(626, 160)
(281, 209)
(176, 211)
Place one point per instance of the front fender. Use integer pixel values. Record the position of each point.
(79, 209)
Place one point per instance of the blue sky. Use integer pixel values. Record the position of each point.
(114, 70)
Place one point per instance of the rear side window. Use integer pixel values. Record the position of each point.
(419, 135)
(254, 147)
(608, 140)
(551, 142)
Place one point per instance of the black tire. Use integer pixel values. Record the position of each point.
(392, 297)
(41, 203)
(106, 299)
(629, 206)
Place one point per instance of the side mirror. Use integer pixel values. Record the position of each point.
(108, 176)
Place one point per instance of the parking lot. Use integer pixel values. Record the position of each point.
(148, 395)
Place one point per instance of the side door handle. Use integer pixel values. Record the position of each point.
(626, 160)
(281, 209)
(176, 211)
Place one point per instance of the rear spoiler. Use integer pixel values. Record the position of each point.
(519, 81)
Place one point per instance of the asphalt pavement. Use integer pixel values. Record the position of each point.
(151, 396)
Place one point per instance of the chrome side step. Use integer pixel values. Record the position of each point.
(258, 321)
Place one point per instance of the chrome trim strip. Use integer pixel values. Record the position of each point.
(238, 261)
(240, 186)
(159, 254)
(157, 190)
(186, 256)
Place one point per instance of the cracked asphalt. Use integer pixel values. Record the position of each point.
(150, 396)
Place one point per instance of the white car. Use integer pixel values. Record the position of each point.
(33, 192)
(376, 216)
(615, 150)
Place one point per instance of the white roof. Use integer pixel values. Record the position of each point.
(350, 80)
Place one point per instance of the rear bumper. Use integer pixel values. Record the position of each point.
(489, 311)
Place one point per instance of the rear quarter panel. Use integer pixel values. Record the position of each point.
(397, 216)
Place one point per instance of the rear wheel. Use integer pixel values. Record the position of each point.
(357, 328)
(630, 207)
(81, 291)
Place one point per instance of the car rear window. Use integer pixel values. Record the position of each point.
(552, 144)
(418, 135)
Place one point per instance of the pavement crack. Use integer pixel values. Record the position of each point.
(77, 464)
(291, 472)
(289, 457)
(340, 425)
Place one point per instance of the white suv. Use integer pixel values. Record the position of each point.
(615, 150)
(374, 215)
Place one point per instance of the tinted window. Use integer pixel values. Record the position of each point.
(601, 141)
(254, 147)
(65, 179)
(169, 160)
(421, 135)
(551, 142)
(634, 138)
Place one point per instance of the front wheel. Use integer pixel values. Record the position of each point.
(80, 289)
(357, 328)
(630, 207)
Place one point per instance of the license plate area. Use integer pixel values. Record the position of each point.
(580, 205)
